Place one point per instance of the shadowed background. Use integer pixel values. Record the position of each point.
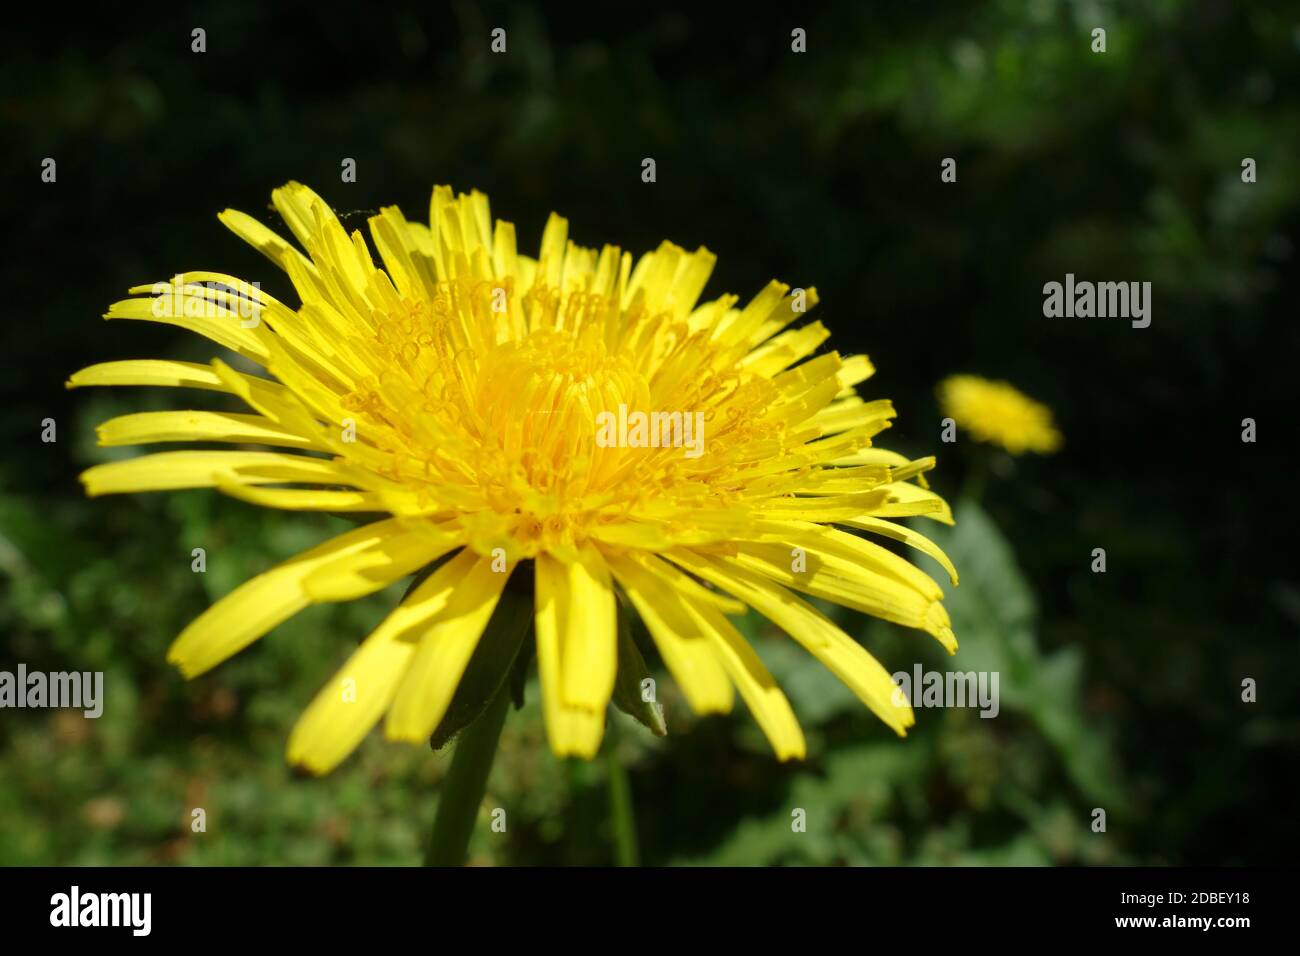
(1119, 690)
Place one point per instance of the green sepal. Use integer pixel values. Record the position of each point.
(519, 673)
(632, 671)
(489, 667)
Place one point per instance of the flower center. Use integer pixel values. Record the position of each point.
(539, 399)
(539, 435)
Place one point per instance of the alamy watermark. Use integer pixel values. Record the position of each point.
(82, 690)
(1102, 300)
(638, 429)
(75, 908)
(929, 689)
(208, 300)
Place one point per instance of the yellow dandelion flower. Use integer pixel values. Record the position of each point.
(582, 411)
(999, 413)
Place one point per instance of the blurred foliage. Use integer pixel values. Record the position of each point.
(1119, 690)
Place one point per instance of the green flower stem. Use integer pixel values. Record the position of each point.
(621, 816)
(465, 784)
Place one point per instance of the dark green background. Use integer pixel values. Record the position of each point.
(1120, 691)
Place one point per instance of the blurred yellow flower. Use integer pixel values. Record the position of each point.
(999, 413)
(492, 408)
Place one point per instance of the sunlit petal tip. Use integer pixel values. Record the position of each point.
(309, 763)
(406, 731)
(183, 662)
(948, 639)
(792, 750)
